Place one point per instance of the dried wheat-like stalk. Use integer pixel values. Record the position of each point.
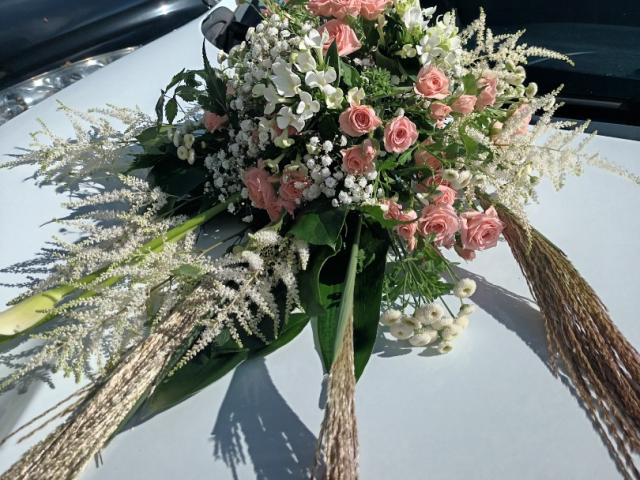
(67, 450)
(603, 366)
(339, 432)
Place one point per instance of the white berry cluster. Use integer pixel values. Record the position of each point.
(183, 140)
(429, 323)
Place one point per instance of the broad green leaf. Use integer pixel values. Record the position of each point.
(385, 62)
(368, 295)
(333, 60)
(187, 271)
(147, 134)
(310, 279)
(350, 75)
(171, 110)
(320, 225)
(295, 324)
(178, 77)
(160, 109)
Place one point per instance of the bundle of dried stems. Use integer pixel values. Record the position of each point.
(65, 452)
(603, 366)
(338, 438)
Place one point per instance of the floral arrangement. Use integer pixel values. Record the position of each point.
(350, 142)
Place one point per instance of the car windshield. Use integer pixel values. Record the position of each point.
(602, 39)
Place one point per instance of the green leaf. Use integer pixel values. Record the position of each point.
(160, 109)
(187, 271)
(333, 60)
(320, 224)
(368, 295)
(310, 296)
(378, 215)
(386, 62)
(148, 134)
(171, 110)
(350, 75)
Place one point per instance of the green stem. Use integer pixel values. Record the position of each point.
(346, 304)
(28, 313)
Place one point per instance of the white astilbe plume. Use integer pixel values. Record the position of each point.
(99, 148)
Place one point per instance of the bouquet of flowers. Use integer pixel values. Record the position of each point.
(349, 143)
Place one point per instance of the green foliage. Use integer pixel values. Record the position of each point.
(319, 224)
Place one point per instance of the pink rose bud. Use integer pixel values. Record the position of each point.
(407, 231)
(359, 159)
(440, 111)
(423, 157)
(465, 254)
(480, 231)
(525, 122)
(344, 36)
(213, 122)
(372, 9)
(358, 120)
(445, 196)
(259, 187)
(292, 184)
(440, 220)
(334, 8)
(432, 83)
(464, 104)
(394, 209)
(274, 209)
(399, 135)
(488, 94)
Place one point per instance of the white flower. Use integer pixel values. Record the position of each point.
(413, 18)
(183, 152)
(427, 314)
(423, 337)
(467, 309)
(188, 140)
(401, 331)
(307, 107)
(327, 146)
(313, 39)
(287, 117)
(410, 321)
(355, 95)
(253, 259)
(450, 175)
(320, 79)
(390, 317)
(259, 89)
(287, 83)
(442, 323)
(445, 347)
(464, 288)
(408, 51)
(334, 97)
(177, 138)
(462, 321)
(305, 62)
(451, 332)
(464, 178)
(191, 156)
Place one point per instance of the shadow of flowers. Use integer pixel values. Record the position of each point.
(254, 416)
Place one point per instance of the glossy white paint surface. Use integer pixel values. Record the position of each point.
(489, 410)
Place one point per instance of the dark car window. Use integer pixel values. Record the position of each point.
(601, 37)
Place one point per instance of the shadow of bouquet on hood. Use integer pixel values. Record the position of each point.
(255, 421)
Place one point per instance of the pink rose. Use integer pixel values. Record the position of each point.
(488, 94)
(358, 120)
(259, 186)
(465, 254)
(408, 230)
(440, 220)
(372, 9)
(274, 209)
(334, 8)
(344, 36)
(212, 121)
(446, 196)
(525, 121)
(292, 184)
(480, 231)
(359, 159)
(423, 157)
(394, 209)
(464, 104)
(432, 83)
(399, 135)
(440, 111)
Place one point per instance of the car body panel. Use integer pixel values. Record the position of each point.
(489, 410)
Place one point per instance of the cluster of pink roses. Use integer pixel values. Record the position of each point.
(478, 230)
(369, 9)
(261, 191)
(434, 84)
